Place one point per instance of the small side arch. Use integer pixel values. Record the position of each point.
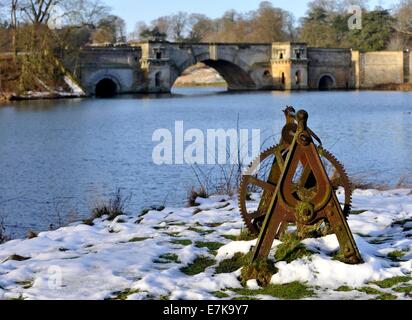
(104, 84)
(326, 82)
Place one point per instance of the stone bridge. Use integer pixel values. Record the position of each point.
(153, 67)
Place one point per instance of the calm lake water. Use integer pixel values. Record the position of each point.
(57, 158)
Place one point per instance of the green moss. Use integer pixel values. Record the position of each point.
(138, 239)
(344, 289)
(404, 289)
(229, 237)
(199, 265)
(289, 291)
(390, 282)
(123, 295)
(396, 255)
(164, 298)
(220, 294)
(183, 242)
(209, 245)
(261, 270)
(233, 264)
(291, 249)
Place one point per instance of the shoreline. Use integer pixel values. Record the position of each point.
(10, 97)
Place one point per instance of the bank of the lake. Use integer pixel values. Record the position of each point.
(182, 253)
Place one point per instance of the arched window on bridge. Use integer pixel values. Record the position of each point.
(283, 79)
(298, 77)
(281, 56)
(158, 79)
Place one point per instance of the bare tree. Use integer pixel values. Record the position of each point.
(39, 11)
(404, 17)
(179, 24)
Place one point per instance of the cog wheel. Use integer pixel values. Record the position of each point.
(267, 169)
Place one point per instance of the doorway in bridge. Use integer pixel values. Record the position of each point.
(106, 88)
(326, 83)
(199, 78)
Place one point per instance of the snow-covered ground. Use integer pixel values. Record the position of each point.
(141, 257)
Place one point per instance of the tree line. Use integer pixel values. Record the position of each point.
(75, 23)
(325, 24)
(39, 34)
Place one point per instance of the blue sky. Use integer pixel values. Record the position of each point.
(143, 10)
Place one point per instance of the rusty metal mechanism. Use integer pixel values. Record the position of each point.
(299, 188)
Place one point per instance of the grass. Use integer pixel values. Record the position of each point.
(26, 284)
(209, 245)
(261, 270)
(369, 290)
(194, 194)
(138, 239)
(229, 237)
(88, 222)
(16, 257)
(233, 264)
(199, 265)
(112, 208)
(183, 242)
(396, 255)
(123, 295)
(245, 235)
(200, 231)
(214, 225)
(173, 234)
(168, 258)
(291, 249)
(386, 296)
(344, 289)
(357, 212)
(404, 289)
(289, 291)
(391, 282)
(220, 294)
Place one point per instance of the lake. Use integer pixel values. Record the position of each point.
(60, 157)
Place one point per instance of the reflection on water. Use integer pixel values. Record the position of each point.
(59, 157)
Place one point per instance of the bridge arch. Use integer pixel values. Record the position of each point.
(104, 83)
(235, 75)
(326, 82)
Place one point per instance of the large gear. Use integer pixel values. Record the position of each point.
(254, 220)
